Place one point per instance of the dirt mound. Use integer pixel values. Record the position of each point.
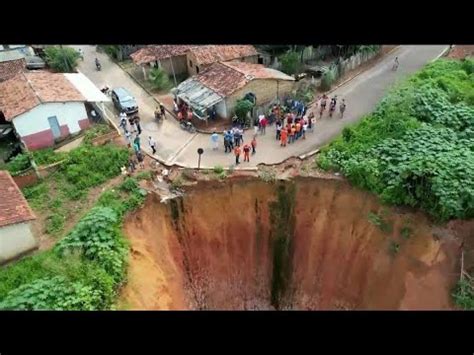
(302, 244)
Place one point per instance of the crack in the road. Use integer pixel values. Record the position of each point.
(172, 159)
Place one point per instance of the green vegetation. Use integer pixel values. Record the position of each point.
(177, 183)
(18, 164)
(380, 221)
(290, 62)
(394, 248)
(464, 293)
(267, 175)
(242, 108)
(328, 79)
(47, 156)
(62, 59)
(82, 169)
(406, 232)
(416, 148)
(95, 131)
(112, 51)
(218, 169)
(159, 79)
(84, 270)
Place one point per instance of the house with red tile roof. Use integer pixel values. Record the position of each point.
(16, 237)
(10, 68)
(45, 107)
(178, 60)
(201, 57)
(223, 83)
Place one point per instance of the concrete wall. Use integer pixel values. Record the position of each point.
(15, 239)
(179, 65)
(34, 129)
(265, 89)
(221, 109)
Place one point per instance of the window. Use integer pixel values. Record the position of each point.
(191, 63)
(197, 69)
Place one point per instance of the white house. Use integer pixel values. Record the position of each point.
(16, 237)
(47, 107)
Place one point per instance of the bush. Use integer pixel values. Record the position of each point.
(416, 147)
(62, 59)
(290, 62)
(90, 166)
(47, 156)
(20, 279)
(129, 184)
(327, 80)
(464, 294)
(242, 108)
(95, 131)
(218, 169)
(18, 164)
(97, 238)
(159, 79)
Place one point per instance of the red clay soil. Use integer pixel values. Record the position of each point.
(461, 51)
(219, 247)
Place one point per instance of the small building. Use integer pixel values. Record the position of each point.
(16, 237)
(201, 57)
(223, 83)
(179, 60)
(45, 107)
(10, 68)
(171, 58)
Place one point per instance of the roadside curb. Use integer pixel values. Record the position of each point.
(443, 53)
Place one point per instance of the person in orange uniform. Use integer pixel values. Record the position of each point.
(237, 154)
(283, 137)
(297, 130)
(246, 153)
(254, 144)
(292, 134)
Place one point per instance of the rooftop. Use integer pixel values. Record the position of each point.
(27, 90)
(205, 54)
(153, 53)
(10, 68)
(228, 77)
(13, 206)
(217, 53)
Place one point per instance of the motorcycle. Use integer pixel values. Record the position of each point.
(98, 65)
(105, 90)
(187, 126)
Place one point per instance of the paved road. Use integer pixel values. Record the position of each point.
(176, 146)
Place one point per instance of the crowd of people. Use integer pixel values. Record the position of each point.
(292, 121)
(132, 130)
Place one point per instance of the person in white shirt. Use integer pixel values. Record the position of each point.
(152, 144)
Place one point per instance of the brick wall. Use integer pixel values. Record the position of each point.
(265, 90)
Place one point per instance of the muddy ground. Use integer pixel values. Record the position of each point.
(285, 237)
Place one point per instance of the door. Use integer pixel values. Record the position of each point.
(54, 124)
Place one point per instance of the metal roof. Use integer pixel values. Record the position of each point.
(197, 95)
(86, 87)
